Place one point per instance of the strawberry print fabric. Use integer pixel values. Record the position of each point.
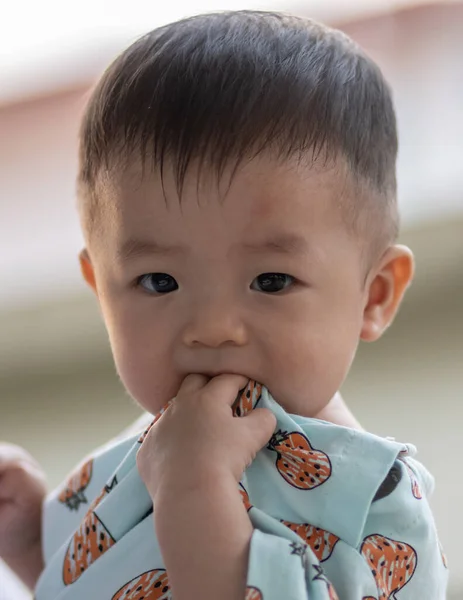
(338, 514)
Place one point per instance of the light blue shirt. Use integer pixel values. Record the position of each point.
(337, 513)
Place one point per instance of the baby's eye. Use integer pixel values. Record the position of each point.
(159, 283)
(272, 282)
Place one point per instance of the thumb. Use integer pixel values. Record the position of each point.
(261, 423)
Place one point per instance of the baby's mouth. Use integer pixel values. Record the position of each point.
(212, 374)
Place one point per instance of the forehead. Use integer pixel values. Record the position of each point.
(261, 195)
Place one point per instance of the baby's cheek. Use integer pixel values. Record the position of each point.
(145, 377)
(307, 373)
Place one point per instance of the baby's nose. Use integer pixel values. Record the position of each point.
(214, 325)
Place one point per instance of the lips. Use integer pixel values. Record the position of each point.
(221, 372)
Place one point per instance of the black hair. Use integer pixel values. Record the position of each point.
(219, 88)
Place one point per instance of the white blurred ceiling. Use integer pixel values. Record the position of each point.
(51, 43)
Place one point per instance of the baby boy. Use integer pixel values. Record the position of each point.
(237, 194)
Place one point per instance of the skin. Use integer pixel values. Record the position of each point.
(22, 490)
(219, 325)
(299, 342)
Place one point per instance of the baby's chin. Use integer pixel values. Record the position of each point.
(303, 403)
(154, 401)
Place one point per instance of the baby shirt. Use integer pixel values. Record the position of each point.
(337, 514)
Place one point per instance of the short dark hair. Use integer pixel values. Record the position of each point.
(224, 86)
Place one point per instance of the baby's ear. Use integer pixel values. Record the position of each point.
(386, 290)
(86, 268)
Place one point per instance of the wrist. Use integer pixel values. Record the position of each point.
(199, 504)
(204, 535)
(197, 481)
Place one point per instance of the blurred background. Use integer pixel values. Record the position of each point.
(59, 394)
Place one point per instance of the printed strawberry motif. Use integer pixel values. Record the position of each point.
(247, 399)
(252, 593)
(245, 497)
(73, 493)
(89, 542)
(444, 558)
(152, 585)
(332, 595)
(416, 489)
(141, 439)
(321, 576)
(392, 563)
(301, 551)
(298, 463)
(320, 541)
(104, 492)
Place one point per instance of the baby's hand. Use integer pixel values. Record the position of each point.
(198, 440)
(22, 491)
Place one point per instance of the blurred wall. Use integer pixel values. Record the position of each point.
(59, 394)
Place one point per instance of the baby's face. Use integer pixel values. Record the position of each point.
(266, 282)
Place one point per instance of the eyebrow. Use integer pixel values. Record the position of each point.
(285, 243)
(281, 244)
(133, 248)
